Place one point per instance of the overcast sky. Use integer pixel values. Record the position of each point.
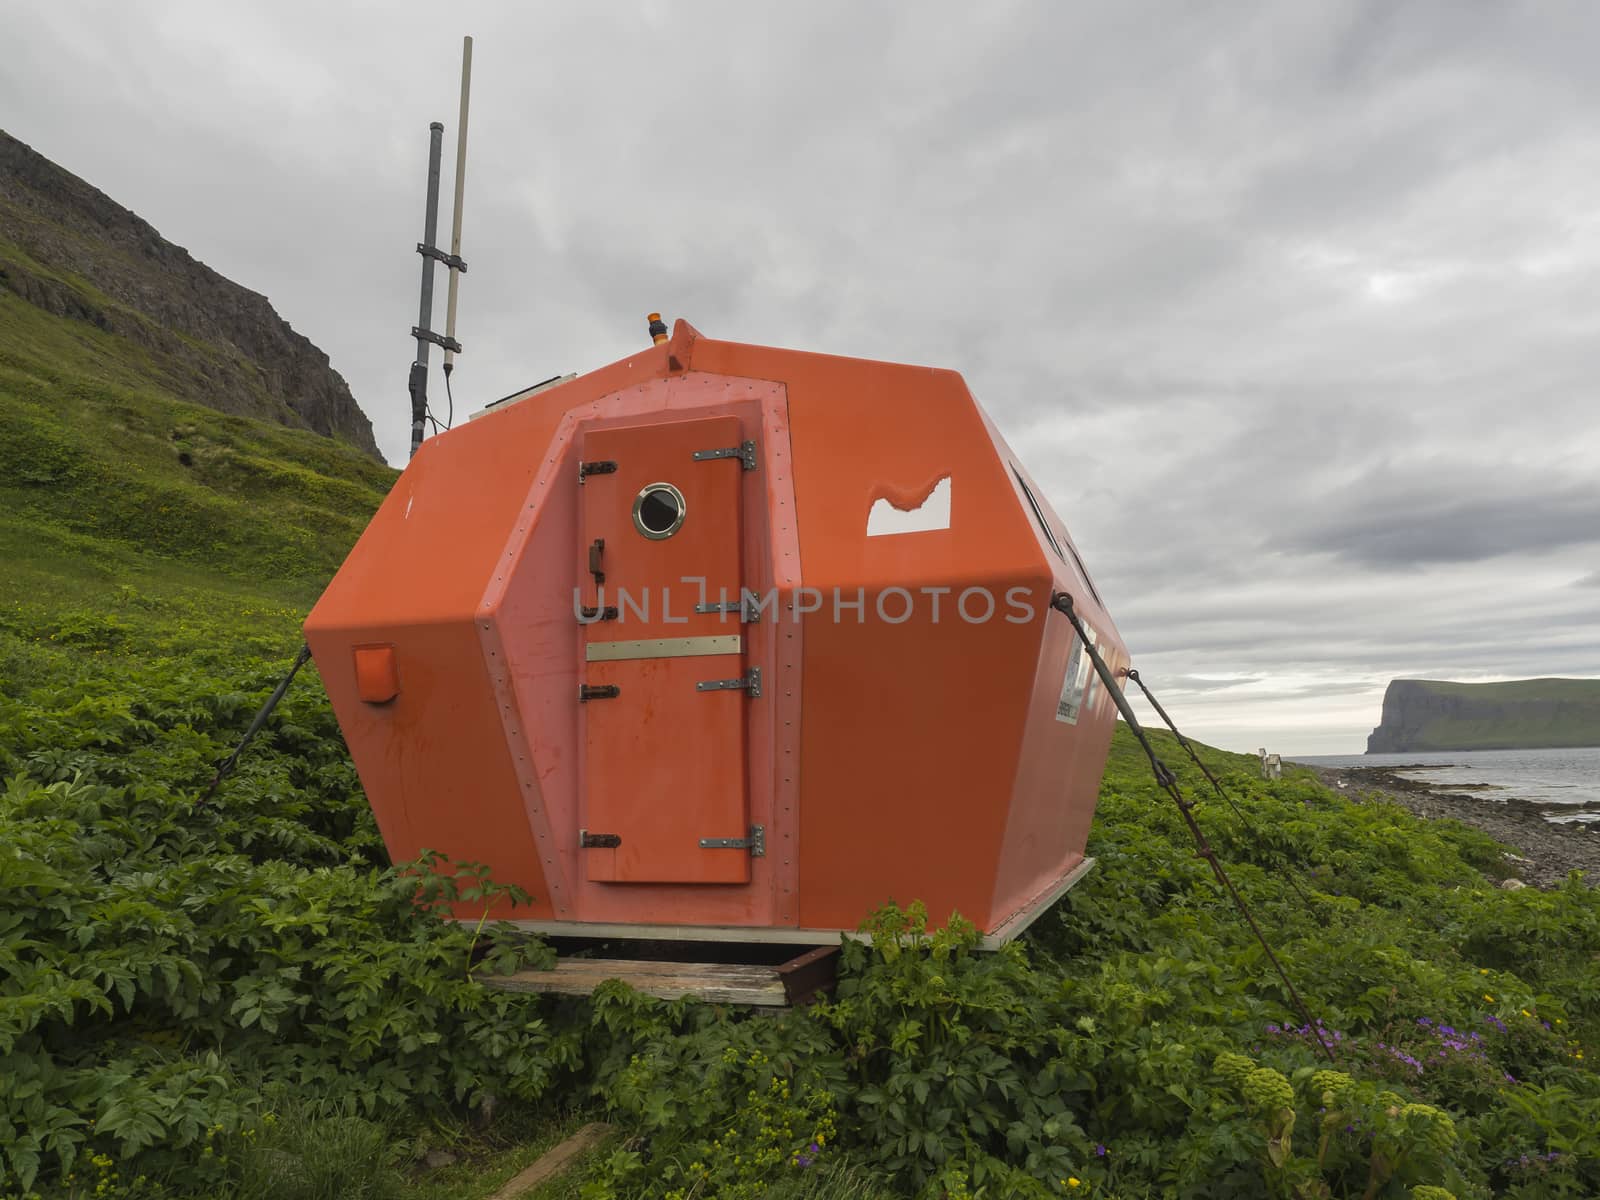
(1292, 308)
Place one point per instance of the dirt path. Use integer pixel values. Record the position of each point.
(1550, 850)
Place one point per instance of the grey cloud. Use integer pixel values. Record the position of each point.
(1287, 307)
(1459, 515)
(1199, 683)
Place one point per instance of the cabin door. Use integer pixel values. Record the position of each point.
(664, 671)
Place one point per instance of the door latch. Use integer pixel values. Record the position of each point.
(745, 452)
(601, 466)
(603, 691)
(598, 841)
(756, 843)
(596, 549)
(747, 606)
(749, 683)
(588, 613)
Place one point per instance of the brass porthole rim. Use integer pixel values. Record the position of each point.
(648, 490)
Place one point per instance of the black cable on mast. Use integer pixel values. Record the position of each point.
(1062, 603)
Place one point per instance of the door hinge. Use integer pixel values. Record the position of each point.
(603, 691)
(587, 614)
(745, 452)
(603, 466)
(598, 841)
(597, 549)
(749, 683)
(756, 843)
(746, 606)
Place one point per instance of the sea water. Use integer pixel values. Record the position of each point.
(1564, 785)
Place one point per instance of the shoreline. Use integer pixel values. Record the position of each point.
(1546, 851)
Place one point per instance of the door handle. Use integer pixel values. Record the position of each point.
(596, 549)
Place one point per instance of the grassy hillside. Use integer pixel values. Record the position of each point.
(98, 468)
(244, 999)
(71, 250)
(1517, 713)
(1430, 714)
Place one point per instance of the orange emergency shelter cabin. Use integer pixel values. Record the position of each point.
(726, 642)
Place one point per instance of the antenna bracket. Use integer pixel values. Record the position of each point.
(438, 339)
(454, 261)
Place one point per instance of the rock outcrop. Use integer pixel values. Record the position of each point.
(73, 251)
(1430, 714)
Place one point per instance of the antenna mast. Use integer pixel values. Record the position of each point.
(431, 254)
(455, 230)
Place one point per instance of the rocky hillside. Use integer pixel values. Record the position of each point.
(73, 252)
(1429, 714)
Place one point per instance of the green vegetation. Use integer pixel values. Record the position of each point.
(1431, 714)
(245, 999)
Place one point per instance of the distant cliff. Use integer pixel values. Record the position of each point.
(74, 252)
(1429, 714)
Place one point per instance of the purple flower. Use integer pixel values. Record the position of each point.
(1100, 1151)
(1424, 1021)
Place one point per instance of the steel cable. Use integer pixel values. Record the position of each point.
(1062, 603)
(1288, 876)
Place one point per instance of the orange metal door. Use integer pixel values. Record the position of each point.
(666, 685)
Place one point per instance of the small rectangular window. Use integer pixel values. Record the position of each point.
(1055, 543)
(1038, 515)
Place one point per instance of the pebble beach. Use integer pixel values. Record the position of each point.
(1546, 852)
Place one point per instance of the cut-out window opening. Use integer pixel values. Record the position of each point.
(1055, 543)
(932, 513)
(658, 511)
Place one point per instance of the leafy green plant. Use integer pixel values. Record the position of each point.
(950, 1054)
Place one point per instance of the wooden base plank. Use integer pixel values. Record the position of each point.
(719, 983)
(552, 1162)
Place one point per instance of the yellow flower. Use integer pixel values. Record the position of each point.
(1526, 1013)
(1483, 970)
(1488, 997)
(1072, 1181)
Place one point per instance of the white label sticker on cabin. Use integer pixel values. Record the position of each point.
(1074, 684)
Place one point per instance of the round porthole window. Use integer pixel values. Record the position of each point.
(658, 511)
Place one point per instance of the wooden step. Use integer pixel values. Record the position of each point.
(763, 986)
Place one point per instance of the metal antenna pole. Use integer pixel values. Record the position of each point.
(456, 265)
(422, 331)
